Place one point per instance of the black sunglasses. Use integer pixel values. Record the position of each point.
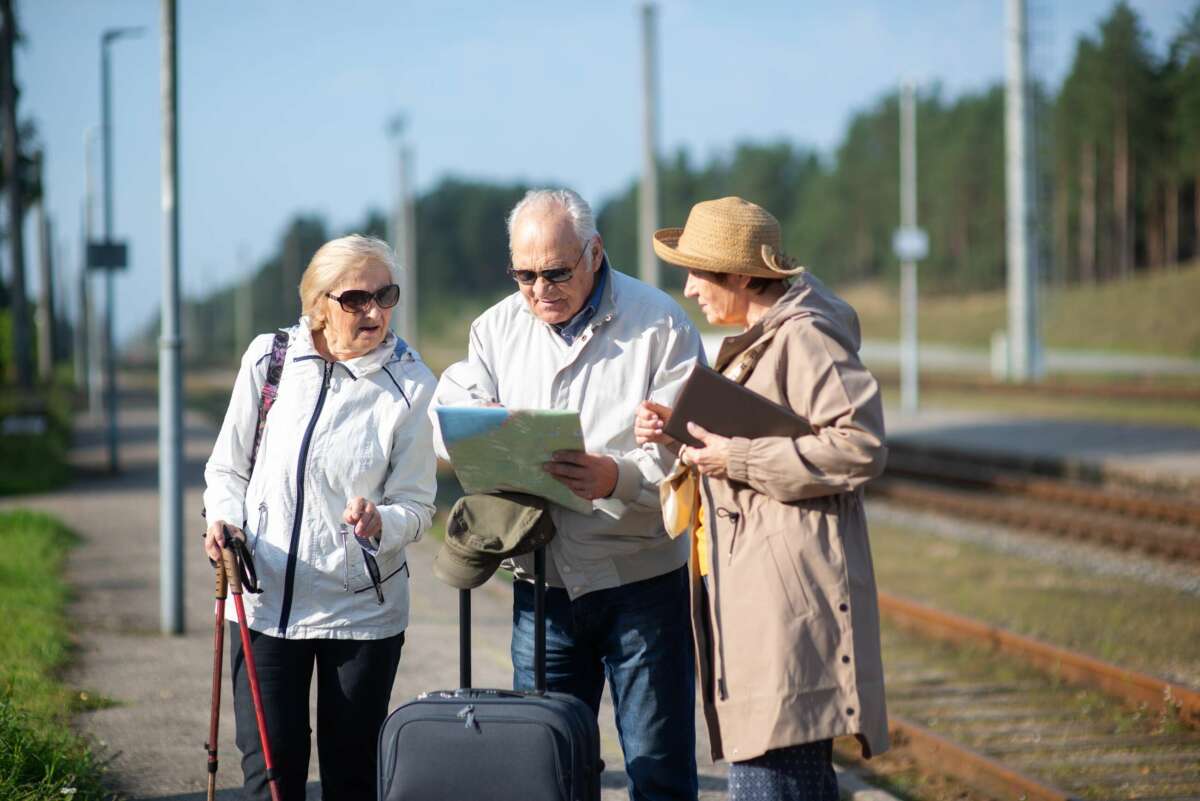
(355, 300)
(555, 275)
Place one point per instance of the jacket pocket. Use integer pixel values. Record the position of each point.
(791, 580)
(355, 578)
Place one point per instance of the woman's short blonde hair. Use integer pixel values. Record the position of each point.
(331, 262)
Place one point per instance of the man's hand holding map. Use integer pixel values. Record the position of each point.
(495, 449)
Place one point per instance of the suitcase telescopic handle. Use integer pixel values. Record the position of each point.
(539, 627)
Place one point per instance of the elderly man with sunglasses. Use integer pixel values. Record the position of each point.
(579, 335)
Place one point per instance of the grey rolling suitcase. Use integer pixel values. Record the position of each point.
(493, 745)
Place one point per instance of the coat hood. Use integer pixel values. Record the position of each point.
(808, 297)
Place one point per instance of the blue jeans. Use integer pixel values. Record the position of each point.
(639, 637)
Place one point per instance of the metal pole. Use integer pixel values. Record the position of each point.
(648, 195)
(408, 298)
(81, 322)
(97, 348)
(909, 359)
(395, 127)
(45, 308)
(1023, 346)
(243, 306)
(110, 361)
(404, 232)
(170, 384)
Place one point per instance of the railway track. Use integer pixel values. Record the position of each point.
(1157, 524)
(1035, 722)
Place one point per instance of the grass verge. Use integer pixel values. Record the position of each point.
(1150, 313)
(40, 758)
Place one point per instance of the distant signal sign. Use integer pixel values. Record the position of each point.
(910, 243)
(107, 255)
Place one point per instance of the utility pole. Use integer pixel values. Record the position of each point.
(45, 307)
(82, 318)
(170, 379)
(910, 245)
(97, 349)
(110, 367)
(404, 233)
(45, 310)
(243, 306)
(408, 297)
(10, 143)
(648, 194)
(1024, 349)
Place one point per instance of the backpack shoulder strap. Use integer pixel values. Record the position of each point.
(270, 388)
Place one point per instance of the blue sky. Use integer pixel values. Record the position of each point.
(284, 103)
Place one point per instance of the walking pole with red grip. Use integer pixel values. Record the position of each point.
(218, 655)
(232, 556)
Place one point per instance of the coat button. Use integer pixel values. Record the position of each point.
(849, 710)
(843, 608)
(845, 660)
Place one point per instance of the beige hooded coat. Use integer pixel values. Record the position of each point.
(790, 652)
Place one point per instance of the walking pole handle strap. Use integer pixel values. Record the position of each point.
(239, 565)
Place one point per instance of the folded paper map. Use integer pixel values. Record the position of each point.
(493, 449)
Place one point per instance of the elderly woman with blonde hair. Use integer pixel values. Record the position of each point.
(327, 488)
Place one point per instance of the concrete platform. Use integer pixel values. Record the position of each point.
(1152, 456)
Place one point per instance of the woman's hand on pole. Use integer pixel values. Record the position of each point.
(214, 539)
(713, 459)
(649, 422)
(365, 518)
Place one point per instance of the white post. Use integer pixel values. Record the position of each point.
(1021, 210)
(648, 193)
(45, 307)
(408, 272)
(909, 361)
(98, 350)
(243, 306)
(170, 377)
(404, 233)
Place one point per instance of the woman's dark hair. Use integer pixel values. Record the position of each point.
(757, 284)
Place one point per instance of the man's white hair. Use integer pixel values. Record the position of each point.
(582, 219)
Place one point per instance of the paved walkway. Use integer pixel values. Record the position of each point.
(154, 733)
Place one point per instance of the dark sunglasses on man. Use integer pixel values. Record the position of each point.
(355, 300)
(555, 275)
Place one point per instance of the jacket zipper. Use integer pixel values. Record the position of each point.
(294, 547)
(712, 534)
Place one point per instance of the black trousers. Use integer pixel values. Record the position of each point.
(354, 681)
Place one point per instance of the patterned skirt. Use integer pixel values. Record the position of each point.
(796, 773)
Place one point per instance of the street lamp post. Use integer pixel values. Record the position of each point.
(110, 367)
(404, 233)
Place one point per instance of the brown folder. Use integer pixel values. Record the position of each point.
(725, 407)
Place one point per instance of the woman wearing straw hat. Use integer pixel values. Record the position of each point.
(783, 592)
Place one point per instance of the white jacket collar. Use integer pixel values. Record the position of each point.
(390, 350)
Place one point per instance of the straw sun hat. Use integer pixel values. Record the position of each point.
(729, 235)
